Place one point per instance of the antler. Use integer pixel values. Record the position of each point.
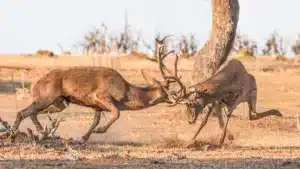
(173, 97)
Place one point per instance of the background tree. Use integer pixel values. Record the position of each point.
(296, 47)
(184, 47)
(243, 46)
(193, 45)
(274, 45)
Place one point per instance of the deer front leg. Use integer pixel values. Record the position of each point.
(34, 108)
(203, 123)
(108, 103)
(237, 100)
(218, 112)
(228, 114)
(57, 106)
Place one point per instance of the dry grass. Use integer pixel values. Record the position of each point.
(151, 138)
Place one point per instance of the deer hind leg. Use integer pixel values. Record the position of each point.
(108, 103)
(252, 98)
(93, 126)
(34, 108)
(202, 124)
(57, 106)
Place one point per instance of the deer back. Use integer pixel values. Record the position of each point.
(232, 71)
(81, 82)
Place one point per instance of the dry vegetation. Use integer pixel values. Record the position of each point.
(151, 138)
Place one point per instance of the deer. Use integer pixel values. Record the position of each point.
(100, 88)
(230, 85)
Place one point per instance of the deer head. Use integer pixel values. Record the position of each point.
(194, 100)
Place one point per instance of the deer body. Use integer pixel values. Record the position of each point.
(102, 89)
(232, 73)
(232, 85)
(231, 77)
(80, 85)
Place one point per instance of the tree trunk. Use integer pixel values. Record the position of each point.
(225, 16)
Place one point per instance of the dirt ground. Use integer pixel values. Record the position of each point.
(151, 138)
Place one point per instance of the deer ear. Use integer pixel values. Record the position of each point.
(150, 80)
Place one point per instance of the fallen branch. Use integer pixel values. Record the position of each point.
(53, 127)
(48, 131)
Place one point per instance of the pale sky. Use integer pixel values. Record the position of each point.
(28, 25)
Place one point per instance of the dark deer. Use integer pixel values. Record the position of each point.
(100, 88)
(230, 85)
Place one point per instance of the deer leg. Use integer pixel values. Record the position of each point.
(108, 103)
(252, 104)
(57, 106)
(236, 101)
(93, 126)
(34, 108)
(218, 113)
(228, 114)
(36, 123)
(202, 124)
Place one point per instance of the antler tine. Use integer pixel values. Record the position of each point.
(160, 60)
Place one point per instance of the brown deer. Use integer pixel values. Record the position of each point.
(100, 88)
(230, 85)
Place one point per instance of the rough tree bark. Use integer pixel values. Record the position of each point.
(225, 16)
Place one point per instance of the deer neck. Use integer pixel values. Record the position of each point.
(145, 95)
